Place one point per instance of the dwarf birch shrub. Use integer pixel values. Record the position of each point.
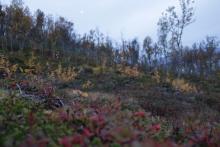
(184, 86)
(64, 74)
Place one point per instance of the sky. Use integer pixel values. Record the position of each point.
(129, 18)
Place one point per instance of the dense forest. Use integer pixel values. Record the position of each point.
(61, 88)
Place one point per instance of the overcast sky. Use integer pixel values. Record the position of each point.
(132, 18)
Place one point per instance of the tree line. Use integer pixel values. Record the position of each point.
(22, 31)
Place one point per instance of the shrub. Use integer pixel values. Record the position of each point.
(6, 68)
(87, 85)
(157, 76)
(64, 74)
(129, 71)
(183, 86)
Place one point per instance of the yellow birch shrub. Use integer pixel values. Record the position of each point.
(64, 74)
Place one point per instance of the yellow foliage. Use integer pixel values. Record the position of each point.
(84, 94)
(129, 71)
(156, 76)
(31, 62)
(88, 84)
(182, 85)
(64, 74)
(7, 67)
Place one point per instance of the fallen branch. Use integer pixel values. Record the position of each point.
(39, 99)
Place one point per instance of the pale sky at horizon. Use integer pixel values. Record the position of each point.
(132, 18)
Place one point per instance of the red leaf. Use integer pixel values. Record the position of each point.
(156, 127)
(98, 119)
(65, 142)
(42, 143)
(87, 132)
(48, 90)
(139, 114)
(13, 86)
(77, 139)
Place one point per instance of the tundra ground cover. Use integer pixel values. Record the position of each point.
(37, 110)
